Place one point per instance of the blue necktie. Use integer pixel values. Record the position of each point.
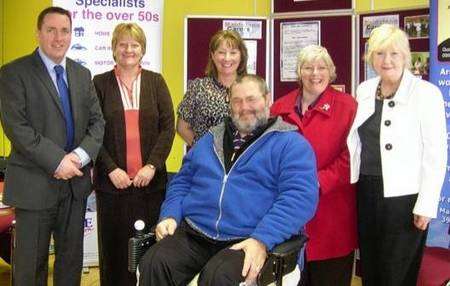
(65, 101)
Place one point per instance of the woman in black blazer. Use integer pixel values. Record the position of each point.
(130, 173)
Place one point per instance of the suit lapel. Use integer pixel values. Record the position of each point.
(404, 90)
(116, 98)
(144, 98)
(42, 74)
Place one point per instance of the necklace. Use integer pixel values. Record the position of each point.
(128, 89)
(129, 92)
(381, 96)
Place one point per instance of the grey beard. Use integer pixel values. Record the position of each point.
(261, 120)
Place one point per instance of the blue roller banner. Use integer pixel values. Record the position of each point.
(439, 231)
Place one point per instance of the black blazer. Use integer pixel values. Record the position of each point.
(33, 120)
(156, 123)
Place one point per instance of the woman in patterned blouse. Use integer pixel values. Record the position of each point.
(205, 102)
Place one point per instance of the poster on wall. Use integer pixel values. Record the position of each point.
(93, 23)
(252, 55)
(417, 27)
(439, 230)
(369, 72)
(420, 62)
(293, 37)
(247, 29)
(371, 22)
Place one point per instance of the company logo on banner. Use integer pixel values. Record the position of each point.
(93, 22)
(439, 232)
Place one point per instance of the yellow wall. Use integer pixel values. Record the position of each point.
(19, 27)
(365, 5)
(3, 142)
(1, 32)
(19, 38)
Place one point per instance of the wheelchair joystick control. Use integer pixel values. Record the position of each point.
(139, 226)
(138, 245)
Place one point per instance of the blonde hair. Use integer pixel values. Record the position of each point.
(313, 53)
(128, 29)
(387, 36)
(233, 40)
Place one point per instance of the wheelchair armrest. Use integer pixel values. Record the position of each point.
(293, 245)
(281, 260)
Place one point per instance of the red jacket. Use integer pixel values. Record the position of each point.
(332, 231)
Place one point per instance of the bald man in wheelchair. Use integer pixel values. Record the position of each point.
(249, 184)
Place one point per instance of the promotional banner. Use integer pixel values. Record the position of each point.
(90, 240)
(93, 22)
(439, 232)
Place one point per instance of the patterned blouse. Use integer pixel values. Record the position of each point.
(204, 105)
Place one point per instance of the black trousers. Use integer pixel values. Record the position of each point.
(176, 259)
(116, 214)
(391, 247)
(33, 230)
(335, 271)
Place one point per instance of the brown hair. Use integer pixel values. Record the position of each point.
(232, 39)
(52, 10)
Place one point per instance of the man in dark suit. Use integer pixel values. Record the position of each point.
(50, 113)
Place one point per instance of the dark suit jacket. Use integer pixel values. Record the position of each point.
(156, 123)
(33, 120)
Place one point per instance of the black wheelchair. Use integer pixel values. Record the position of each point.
(280, 266)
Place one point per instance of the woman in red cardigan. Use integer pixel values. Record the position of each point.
(130, 174)
(324, 117)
